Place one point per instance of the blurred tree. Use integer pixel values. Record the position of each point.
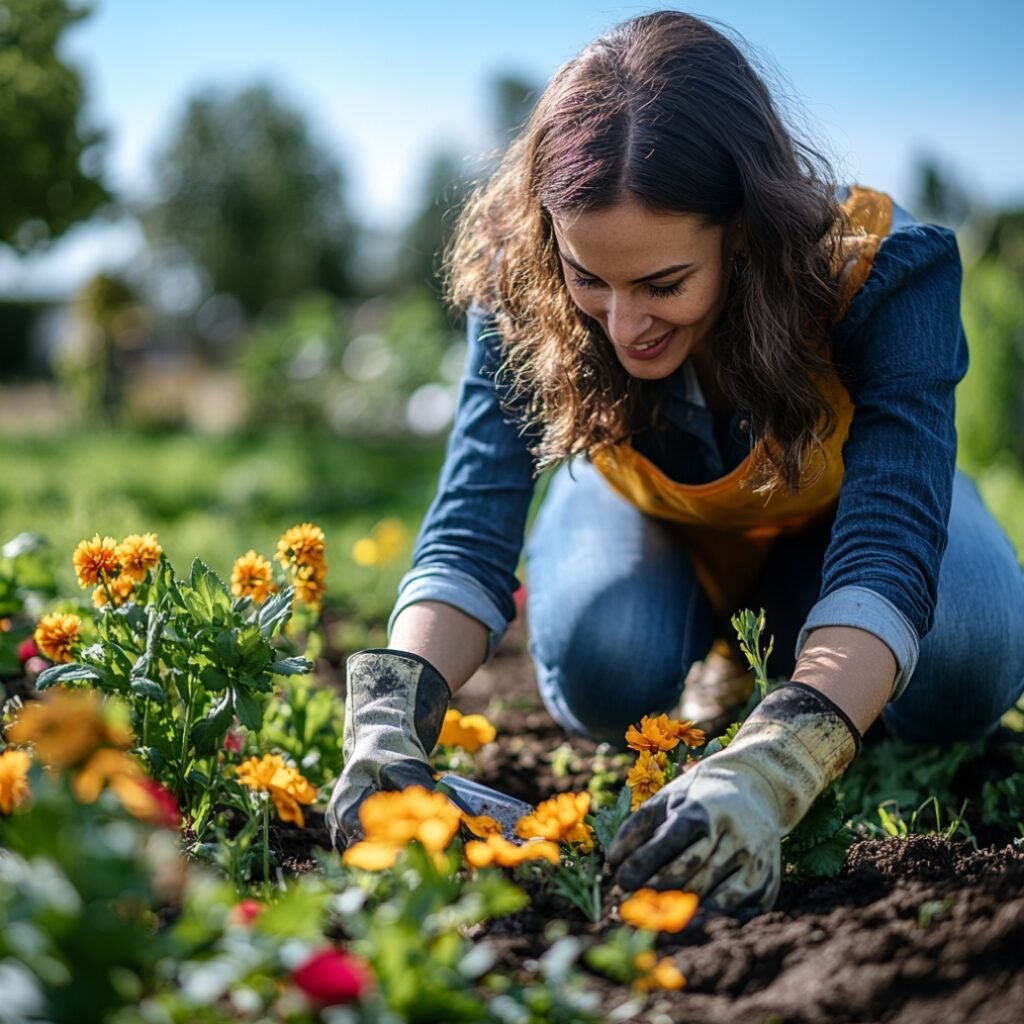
(248, 195)
(107, 324)
(940, 198)
(49, 176)
(512, 100)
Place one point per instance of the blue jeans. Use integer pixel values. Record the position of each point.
(617, 616)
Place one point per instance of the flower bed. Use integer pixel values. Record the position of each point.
(184, 707)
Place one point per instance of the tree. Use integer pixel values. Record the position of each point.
(248, 196)
(48, 175)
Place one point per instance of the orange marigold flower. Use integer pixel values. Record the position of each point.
(499, 851)
(667, 911)
(646, 777)
(663, 733)
(287, 787)
(252, 576)
(560, 820)
(65, 726)
(310, 585)
(121, 589)
(147, 800)
(14, 787)
(411, 813)
(302, 545)
(657, 973)
(470, 732)
(371, 856)
(96, 560)
(481, 825)
(103, 768)
(57, 634)
(138, 553)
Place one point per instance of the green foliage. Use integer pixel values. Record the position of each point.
(248, 195)
(48, 179)
(817, 847)
(608, 820)
(989, 398)
(579, 883)
(27, 582)
(749, 628)
(616, 956)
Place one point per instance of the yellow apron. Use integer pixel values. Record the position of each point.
(727, 527)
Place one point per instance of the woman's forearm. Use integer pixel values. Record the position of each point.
(852, 667)
(452, 641)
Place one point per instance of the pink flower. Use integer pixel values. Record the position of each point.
(332, 976)
(27, 649)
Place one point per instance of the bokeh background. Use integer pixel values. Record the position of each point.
(220, 224)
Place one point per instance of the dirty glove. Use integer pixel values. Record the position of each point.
(716, 829)
(394, 708)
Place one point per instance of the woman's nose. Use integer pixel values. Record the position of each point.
(628, 322)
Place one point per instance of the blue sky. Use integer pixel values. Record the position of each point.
(386, 84)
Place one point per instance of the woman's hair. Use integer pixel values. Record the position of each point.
(663, 110)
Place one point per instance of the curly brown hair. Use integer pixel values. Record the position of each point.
(667, 111)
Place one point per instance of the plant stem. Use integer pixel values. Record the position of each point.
(266, 848)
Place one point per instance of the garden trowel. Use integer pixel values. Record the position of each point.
(476, 799)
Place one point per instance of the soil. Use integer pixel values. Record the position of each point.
(913, 931)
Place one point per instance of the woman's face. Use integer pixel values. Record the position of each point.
(655, 282)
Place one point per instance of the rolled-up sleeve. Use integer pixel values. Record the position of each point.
(469, 545)
(901, 351)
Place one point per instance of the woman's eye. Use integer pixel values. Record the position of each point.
(661, 291)
(584, 282)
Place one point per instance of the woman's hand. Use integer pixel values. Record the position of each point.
(394, 708)
(716, 830)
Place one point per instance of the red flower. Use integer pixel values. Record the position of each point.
(519, 599)
(170, 814)
(246, 911)
(234, 741)
(332, 976)
(27, 649)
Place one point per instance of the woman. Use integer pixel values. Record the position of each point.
(746, 377)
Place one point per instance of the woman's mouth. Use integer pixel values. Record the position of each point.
(648, 349)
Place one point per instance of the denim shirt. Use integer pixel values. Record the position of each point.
(900, 350)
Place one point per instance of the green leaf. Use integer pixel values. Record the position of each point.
(249, 710)
(144, 687)
(275, 612)
(209, 732)
(207, 597)
(291, 667)
(608, 820)
(226, 647)
(66, 674)
(214, 679)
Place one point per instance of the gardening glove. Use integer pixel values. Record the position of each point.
(394, 708)
(716, 829)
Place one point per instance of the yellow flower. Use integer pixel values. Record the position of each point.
(309, 585)
(667, 911)
(646, 777)
(390, 537)
(287, 787)
(65, 726)
(482, 825)
(302, 545)
(470, 732)
(392, 820)
(663, 733)
(498, 850)
(252, 576)
(657, 973)
(122, 590)
(57, 634)
(560, 820)
(103, 767)
(96, 560)
(366, 551)
(138, 553)
(14, 788)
